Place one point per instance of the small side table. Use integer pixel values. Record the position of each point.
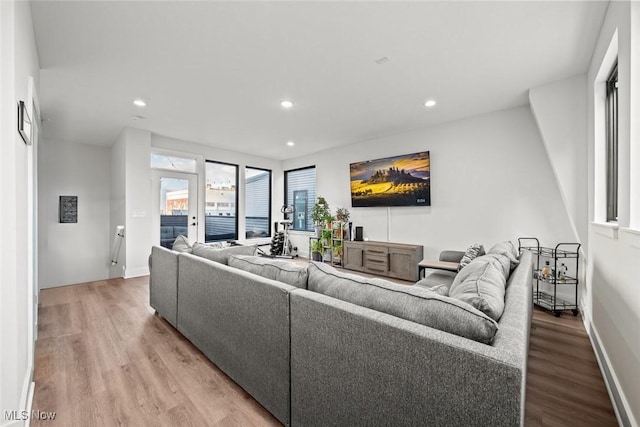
(437, 265)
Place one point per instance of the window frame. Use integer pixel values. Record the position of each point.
(288, 202)
(237, 175)
(174, 155)
(269, 234)
(612, 132)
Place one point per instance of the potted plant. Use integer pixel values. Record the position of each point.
(342, 214)
(316, 250)
(319, 214)
(337, 250)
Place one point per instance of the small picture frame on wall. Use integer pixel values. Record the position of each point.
(68, 209)
(24, 123)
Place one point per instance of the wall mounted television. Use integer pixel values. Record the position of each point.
(392, 181)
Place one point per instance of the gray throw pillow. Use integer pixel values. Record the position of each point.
(282, 271)
(470, 254)
(481, 284)
(500, 261)
(221, 255)
(412, 303)
(181, 244)
(506, 248)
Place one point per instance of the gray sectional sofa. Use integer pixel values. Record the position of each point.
(319, 347)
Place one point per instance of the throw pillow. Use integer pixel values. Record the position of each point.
(181, 244)
(470, 254)
(506, 248)
(282, 271)
(221, 255)
(412, 303)
(482, 285)
(500, 261)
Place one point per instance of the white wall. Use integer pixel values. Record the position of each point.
(490, 181)
(117, 215)
(565, 141)
(19, 60)
(613, 270)
(73, 253)
(137, 202)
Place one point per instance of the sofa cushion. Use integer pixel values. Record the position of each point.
(181, 244)
(440, 289)
(482, 285)
(506, 248)
(282, 271)
(411, 303)
(470, 254)
(221, 255)
(434, 278)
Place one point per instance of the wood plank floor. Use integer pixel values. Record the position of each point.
(104, 358)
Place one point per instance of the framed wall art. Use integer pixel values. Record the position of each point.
(24, 123)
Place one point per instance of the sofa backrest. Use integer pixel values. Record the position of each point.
(240, 321)
(221, 255)
(276, 269)
(163, 282)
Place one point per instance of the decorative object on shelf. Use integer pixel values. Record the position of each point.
(24, 123)
(328, 247)
(337, 250)
(342, 215)
(359, 234)
(68, 209)
(548, 273)
(316, 249)
(320, 213)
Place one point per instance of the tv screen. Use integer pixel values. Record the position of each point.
(393, 181)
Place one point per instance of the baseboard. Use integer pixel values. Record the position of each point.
(620, 403)
(32, 389)
(136, 272)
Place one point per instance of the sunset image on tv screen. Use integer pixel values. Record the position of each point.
(393, 181)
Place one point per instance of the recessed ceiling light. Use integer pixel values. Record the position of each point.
(291, 143)
(430, 103)
(139, 103)
(286, 103)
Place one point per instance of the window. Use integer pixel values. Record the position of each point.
(300, 192)
(221, 199)
(257, 186)
(174, 163)
(612, 144)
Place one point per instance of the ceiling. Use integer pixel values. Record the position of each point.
(215, 72)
